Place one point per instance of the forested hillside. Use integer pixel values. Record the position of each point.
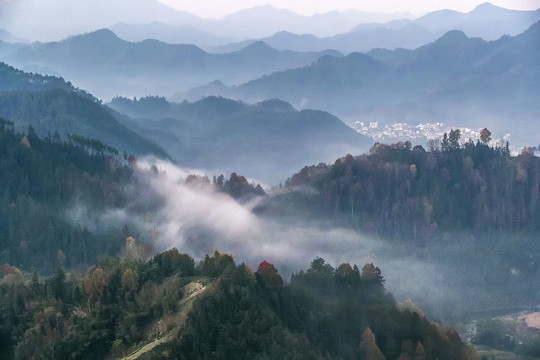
(267, 141)
(59, 199)
(150, 66)
(51, 105)
(168, 308)
(40, 179)
(14, 79)
(160, 201)
(412, 194)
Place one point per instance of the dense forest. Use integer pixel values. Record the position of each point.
(407, 193)
(170, 308)
(53, 188)
(41, 179)
(54, 304)
(51, 105)
(114, 243)
(15, 79)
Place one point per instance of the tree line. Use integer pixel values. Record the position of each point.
(404, 192)
(41, 178)
(214, 310)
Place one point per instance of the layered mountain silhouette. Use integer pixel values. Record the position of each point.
(150, 66)
(458, 80)
(51, 105)
(266, 20)
(486, 21)
(184, 34)
(265, 141)
(54, 20)
(408, 36)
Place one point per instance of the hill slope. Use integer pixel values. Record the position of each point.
(49, 105)
(265, 140)
(150, 66)
(458, 206)
(457, 80)
(218, 310)
(41, 179)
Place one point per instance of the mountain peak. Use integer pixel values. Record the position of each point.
(262, 10)
(258, 47)
(98, 35)
(486, 6)
(452, 37)
(275, 105)
(488, 9)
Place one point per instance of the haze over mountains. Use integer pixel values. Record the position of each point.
(184, 34)
(458, 80)
(6, 36)
(345, 31)
(50, 105)
(486, 21)
(72, 193)
(383, 87)
(150, 66)
(58, 19)
(214, 134)
(39, 20)
(266, 141)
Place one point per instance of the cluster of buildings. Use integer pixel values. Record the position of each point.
(417, 134)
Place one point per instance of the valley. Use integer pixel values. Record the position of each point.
(353, 184)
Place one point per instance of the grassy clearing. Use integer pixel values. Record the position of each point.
(191, 291)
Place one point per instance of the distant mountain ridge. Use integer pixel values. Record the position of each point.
(266, 20)
(487, 21)
(184, 34)
(50, 104)
(10, 38)
(150, 66)
(56, 19)
(266, 141)
(345, 31)
(409, 36)
(15, 79)
(456, 79)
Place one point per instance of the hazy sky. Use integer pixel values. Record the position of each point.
(219, 8)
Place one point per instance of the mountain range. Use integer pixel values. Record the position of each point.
(215, 134)
(486, 21)
(183, 34)
(83, 221)
(458, 80)
(150, 66)
(409, 36)
(51, 105)
(345, 31)
(266, 141)
(56, 19)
